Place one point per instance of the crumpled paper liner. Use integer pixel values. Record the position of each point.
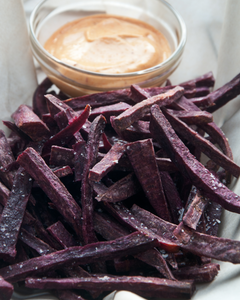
(17, 73)
(213, 45)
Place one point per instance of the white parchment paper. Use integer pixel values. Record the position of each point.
(17, 74)
(213, 45)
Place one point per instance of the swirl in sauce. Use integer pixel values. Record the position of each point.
(109, 44)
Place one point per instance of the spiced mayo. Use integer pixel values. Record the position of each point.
(109, 44)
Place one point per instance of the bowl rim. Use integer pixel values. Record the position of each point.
(177, 53)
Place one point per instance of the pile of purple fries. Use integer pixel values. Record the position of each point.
(107, 191)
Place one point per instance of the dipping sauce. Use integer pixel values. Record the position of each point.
(109, 44)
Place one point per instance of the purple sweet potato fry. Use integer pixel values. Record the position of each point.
(166, 165)
(195, 209)
(34, 222)
(125, 217)
(203, 80)
(13, 127)
(168, 82)
(109, 110)
(60, 233)
(173, 199)
(182, 233)
(4, 194)
(85, 129)
(74, 270)
(197, 92)
(203, 144)
(142, 157)
(198, 243)
(137, 131)
(99, 99)
(16, 144)
(79, 159)
(105, 165)
(106, 143)
(108, 227)
(61, 113)
(200, 273)
(92, 145)
(189, 166)
(192, 117)
(211, 128)
(63, 171)
(6, 158)
(39, 101)
(13, 213)
(27, 121)
(61, 119)
(6, 289)
(146, 287)
(55, 106)
(212, 215)
(61, 156)
(185, 104)
(99, 188)
(52, 186)
(66, 134)
(127, 245)
(138, 94)
(219, 97)
(142, 108)
(224, 94)
(219, 137)
(120, 190)
(155, 259)
(51, 123)
(192, 86)
(35, 243)
(203, 102)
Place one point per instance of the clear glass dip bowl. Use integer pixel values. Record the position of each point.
(50, 15)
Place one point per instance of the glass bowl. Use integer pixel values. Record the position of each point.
(50, 15)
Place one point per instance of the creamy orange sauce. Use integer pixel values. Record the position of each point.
(109, 44)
